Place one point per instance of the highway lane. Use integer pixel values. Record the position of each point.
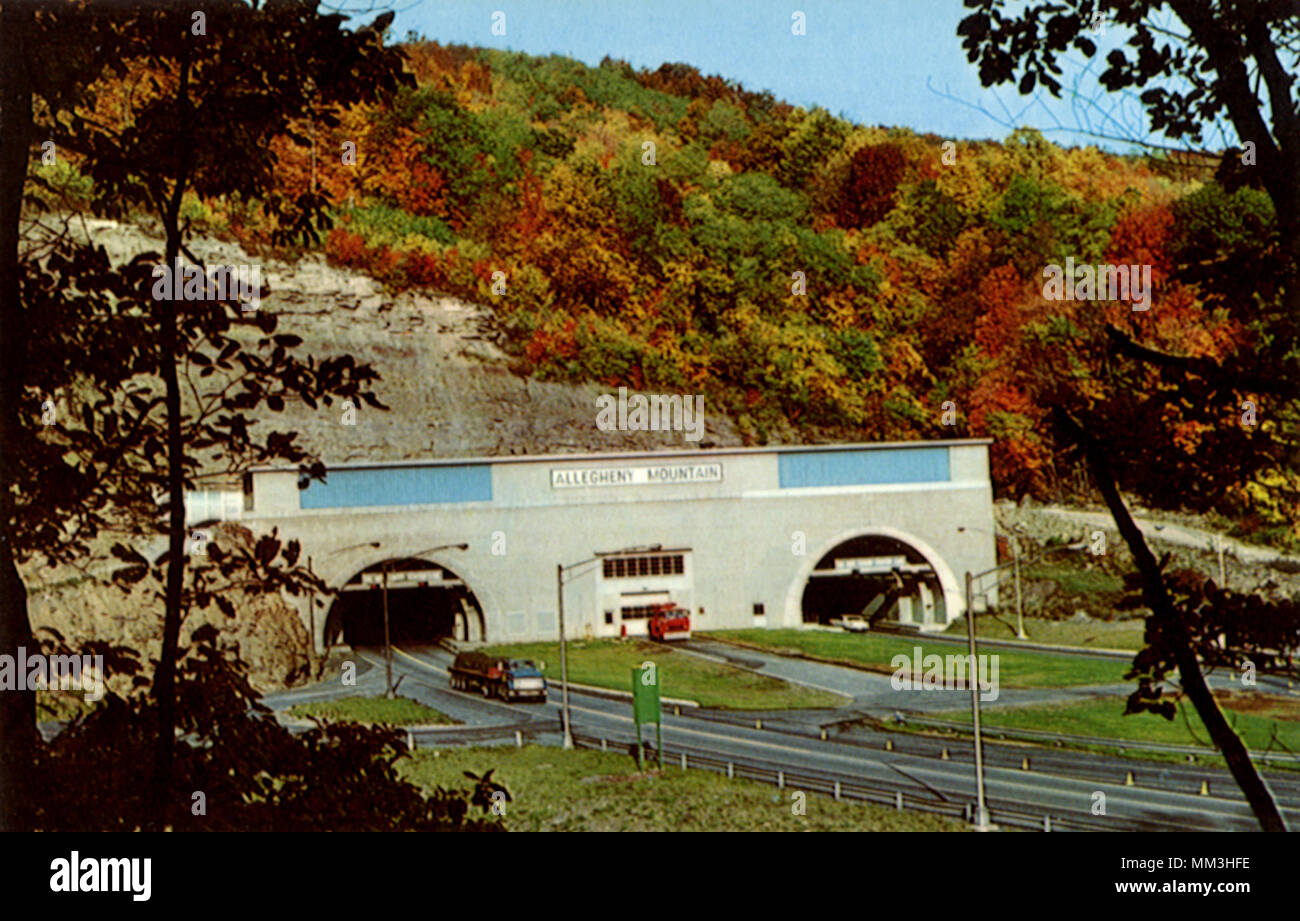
(422, 675)
(925, 773)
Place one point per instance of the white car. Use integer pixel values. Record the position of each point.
(855, 623)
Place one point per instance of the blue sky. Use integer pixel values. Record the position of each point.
(878, 62)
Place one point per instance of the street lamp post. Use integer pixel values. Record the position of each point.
(388, 646)
(981, 816)
(981, 813)
(560, 570)
(1020, 607)
(311, 627)
(311, 596)
(389, 690)
(1015, 562)
(564, 659)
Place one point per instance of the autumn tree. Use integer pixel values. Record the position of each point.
(874, 174)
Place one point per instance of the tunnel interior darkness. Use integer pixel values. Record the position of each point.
(417, 614)
(835, 589)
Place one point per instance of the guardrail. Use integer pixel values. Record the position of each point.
(432, 737)
(1041, 735)
(884, 793)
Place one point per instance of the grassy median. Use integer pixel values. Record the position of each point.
(373, 711)
(608, 663)
(555, 790)
(876, 651)
(1256, 717)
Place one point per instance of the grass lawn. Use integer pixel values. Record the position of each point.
(1104, 718)
(1099, 634)
(400, 711)
(556, 790)
(1015, 669)
(1073, 579)
(608, 663)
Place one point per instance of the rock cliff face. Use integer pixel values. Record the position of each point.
(450, 391)
(449, 386)
(86, 606)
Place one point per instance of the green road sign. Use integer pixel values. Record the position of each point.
(645, 693)
(645, 708)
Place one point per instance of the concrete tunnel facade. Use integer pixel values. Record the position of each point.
(734, 535)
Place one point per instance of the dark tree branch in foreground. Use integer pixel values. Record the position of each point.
(1169, 630)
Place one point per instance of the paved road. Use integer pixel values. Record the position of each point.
(1178, 534)
(1169, 800)
(420, 684)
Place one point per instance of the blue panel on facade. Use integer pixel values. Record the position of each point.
(400, 486)
(864, 468)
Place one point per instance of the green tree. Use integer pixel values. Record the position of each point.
(808, 146)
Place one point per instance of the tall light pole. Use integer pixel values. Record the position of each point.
(388, 646)
(311, 596)
(560, 570)
(1015, 562)
(981, 814)
(389, 691)
(564, 659)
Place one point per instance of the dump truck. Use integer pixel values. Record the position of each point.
(505, 679)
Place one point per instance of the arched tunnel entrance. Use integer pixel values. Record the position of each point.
(881, 578)
(426, 603)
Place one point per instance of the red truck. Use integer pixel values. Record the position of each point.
(670, 623)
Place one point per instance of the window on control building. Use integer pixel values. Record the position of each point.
(639, 611)
(651, 564)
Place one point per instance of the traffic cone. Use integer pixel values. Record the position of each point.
(944, 754)
(1205, 788)
(1128, 779)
